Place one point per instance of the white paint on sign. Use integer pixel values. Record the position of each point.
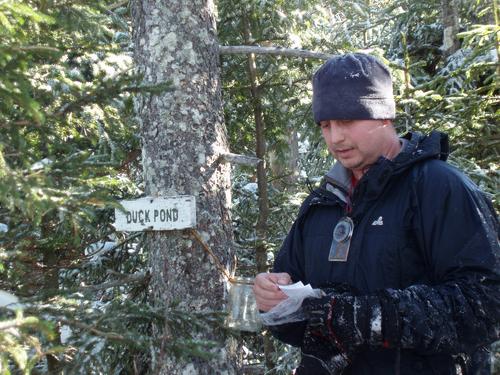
(150, 213)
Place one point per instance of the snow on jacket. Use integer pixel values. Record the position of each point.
(425, 240)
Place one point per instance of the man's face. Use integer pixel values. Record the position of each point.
(357, 144)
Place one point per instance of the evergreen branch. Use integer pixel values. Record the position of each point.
(98, 95)
(134, 278)
(102, 94)
(153, 88)
(275, 51)
(265, 84)
(4, 326)
(8, 125)
(42, 49)
(16, 323)
(108, 335)
(118, 245)
(117, 5)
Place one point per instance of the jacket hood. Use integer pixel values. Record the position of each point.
(420, 147)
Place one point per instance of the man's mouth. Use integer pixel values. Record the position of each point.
(342, 151)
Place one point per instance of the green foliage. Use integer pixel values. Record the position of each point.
(66, 137)
(457, 95)
(69, 151)
(284, 83)
(15, 334)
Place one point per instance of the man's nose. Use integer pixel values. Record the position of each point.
(335, 132)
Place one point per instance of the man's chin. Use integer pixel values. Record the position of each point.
(349, 164)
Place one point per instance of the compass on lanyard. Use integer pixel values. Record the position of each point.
(342, 234)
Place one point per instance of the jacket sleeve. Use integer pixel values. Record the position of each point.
(290, 259)
(457, 233)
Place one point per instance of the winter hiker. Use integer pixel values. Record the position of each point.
(403, 245)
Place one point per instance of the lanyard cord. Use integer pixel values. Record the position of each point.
(350, 192)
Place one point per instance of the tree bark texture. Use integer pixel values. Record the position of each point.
(183, 137)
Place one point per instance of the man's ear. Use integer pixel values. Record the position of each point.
(387, 122)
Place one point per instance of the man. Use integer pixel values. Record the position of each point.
(404, 246)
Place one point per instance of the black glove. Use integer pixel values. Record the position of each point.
(318, 344)
(338, 289)
(347, 321)
(323, 352)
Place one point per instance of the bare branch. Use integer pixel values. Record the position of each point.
(251, 161)
(4, 326)
(35, 49)
(276, 51)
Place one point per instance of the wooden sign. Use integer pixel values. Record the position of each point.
(150, 213)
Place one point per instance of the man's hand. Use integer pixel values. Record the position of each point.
(266, 290)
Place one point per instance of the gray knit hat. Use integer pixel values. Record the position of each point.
(353, 87)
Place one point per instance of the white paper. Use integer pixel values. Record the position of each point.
(289, 310)
(297, 290)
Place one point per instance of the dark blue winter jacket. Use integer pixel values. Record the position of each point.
(425, 240)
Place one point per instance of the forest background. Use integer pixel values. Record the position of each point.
(74, 292)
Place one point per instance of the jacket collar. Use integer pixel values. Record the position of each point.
(338, 181)
(415, 148)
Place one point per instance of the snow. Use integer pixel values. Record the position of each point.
(251, 187)
(376, 323)
(98, 347)
(41, 164)
(101, 247)
(9, 301)
(66, 333)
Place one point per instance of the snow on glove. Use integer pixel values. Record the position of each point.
(317, 343)
(324, 352)
(347, 321)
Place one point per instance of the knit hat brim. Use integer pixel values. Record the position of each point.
(353, 87)
(335, 107)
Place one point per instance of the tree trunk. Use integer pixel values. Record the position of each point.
(496, 20)
(367, 35)
(450, 27)
(183, 135)
(293, 160)
(285, 170)
(51, 283)
(263, 200)
(260, 152)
